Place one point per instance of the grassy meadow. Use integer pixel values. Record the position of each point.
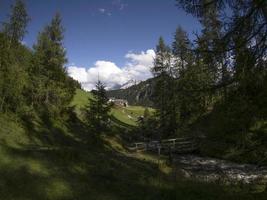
(42, 159)
(122, 115)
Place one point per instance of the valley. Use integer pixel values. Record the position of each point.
(133, 100)
(54, 160)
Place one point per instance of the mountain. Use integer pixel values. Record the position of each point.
(137, 94)
(129, 84)
(125, 85)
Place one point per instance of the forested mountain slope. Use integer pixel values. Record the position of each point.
(140, 94)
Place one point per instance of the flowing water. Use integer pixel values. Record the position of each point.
(216, 170)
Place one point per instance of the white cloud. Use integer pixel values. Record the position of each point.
(144, 58)
(102, 10)
(119, 4)
(136, 68)
(78, 73)
(110, 8)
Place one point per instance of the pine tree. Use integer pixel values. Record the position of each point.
(193, 80)
(163, 94)
(52, 86)
(15, 28)
(183, 60)
(97, 111)
(191, 94)
(210, 64)
(162, 62)
(181, 48)
(232, 54)
(251, 22)
(14, 60)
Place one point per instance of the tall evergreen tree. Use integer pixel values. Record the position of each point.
(210, 64)
(233, 45)
(185, 78)
(15, 28)
(251, 21)
(14, 60)
(208, 40)
(163, 94)
(98, 109)
(181, 48)
(52, 86)
(161, 63)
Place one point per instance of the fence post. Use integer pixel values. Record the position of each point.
(170, 155)
(159, 150)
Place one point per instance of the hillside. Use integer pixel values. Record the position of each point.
(196, 131)
(59, 160)
(139, 94)
(123, 115)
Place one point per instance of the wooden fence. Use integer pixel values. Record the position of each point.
(174, 145)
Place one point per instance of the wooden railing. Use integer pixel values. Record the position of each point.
(176, 145)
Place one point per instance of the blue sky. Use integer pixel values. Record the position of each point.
(106, 29)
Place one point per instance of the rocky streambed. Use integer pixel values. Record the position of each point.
(216, 170)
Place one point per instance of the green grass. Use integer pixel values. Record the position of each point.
(121, 115)
(42, 159)
(99, 170)
(81, 98)
(11, 133)
(126, 115)
(129, 115)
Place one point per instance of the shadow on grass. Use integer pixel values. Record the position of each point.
(67, 173)
(50, 132)
(72, 174)
(78, 165)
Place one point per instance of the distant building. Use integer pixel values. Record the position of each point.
(119, 102)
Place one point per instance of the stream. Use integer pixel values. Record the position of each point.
(216, 170)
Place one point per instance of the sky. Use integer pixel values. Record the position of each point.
(110, 38)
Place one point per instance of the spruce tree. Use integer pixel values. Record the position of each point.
(15, 28)
(14, 60)
(232, 55)
(97, 111)
(181, 48)
(163, 93)
(161, 60)
(181, 51)
(53, 88)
